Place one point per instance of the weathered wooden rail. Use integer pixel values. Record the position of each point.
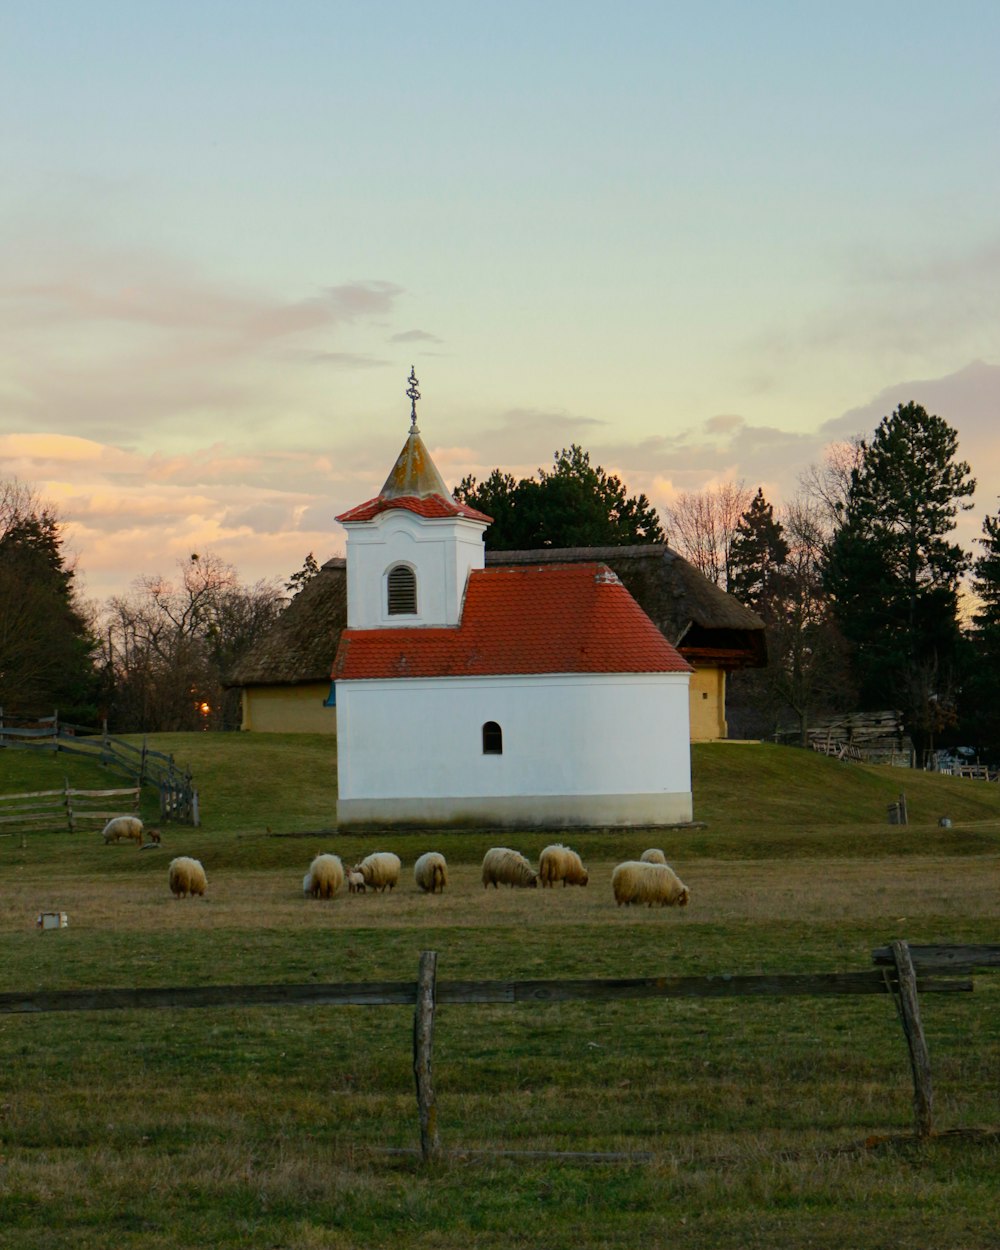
(895, 973)
(178, 796)
(39, 810)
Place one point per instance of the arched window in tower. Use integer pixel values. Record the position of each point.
(492, 738)
(402, 591)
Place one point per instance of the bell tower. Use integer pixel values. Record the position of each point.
(410, 549)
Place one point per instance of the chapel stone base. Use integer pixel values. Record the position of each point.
(543, 811)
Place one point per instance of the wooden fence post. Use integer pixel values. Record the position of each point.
(423, 1049)
(920, 1060)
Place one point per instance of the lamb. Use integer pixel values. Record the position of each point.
(129, 827)
(500, 863)
(637, 882)
(653, 856)
(431, 872)
(355, 881)
(186, 876)
(559, 863)
(380, 870)
(324, 878)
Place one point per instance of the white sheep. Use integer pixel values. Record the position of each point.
(186, 876)
(559, 863)
(324, 878)
(355, 881)
(637, 882)
(501, 864)
(129, 827)
(653, 856)
(380, 870)
(431, 872)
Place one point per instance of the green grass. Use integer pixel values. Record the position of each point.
(773, 1123)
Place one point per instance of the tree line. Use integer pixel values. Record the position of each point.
(858, 580)
(155, 659)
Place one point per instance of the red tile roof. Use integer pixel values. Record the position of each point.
(432, 506)
(553, 618)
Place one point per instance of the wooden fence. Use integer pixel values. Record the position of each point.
(895, 973)
(39, 810)
(178, 796)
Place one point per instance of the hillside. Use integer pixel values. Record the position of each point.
(751, 799)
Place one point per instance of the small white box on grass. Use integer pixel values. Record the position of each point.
(52, 920)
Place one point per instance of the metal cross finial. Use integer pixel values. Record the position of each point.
(413, 395)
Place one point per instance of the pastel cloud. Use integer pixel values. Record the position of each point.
(414, 336)
(138, 347)
(133, 511)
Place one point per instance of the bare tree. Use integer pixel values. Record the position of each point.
(168, 646)
(824, 487)
(701, 526)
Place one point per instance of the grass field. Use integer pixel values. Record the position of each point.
(776, 1122)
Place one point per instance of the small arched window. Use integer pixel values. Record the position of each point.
(492, 738)
(402, 591)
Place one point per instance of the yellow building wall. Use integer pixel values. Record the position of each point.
(288, 709)
(708, 704)
(299, 709)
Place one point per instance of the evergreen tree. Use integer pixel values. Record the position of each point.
(980, 696)
(757, 557)
(46, 644)
(807, 672)
(986, 578)
(305, 574)
(574, 504)
(893, 574)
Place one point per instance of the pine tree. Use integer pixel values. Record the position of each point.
(891, 571)
(980, 696)
(757, 557)
(573, 504)
(305, 574)
(46, 644)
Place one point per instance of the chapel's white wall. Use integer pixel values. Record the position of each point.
(563, 734)
(441, 551)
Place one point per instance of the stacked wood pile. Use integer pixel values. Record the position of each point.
(868, 737)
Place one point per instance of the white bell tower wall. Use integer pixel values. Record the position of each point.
(440, 551)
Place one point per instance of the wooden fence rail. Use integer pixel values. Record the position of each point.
(144, 766)
(39, 810)
(427, 993)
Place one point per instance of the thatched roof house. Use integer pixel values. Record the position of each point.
(285, 678)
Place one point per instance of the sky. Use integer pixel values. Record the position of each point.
(702, 241)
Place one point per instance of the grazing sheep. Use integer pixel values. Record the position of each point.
(186, 876)
(431, 872)
(653, 856)
(636, 882)
(380, 870)
(324, 878)
(355, 882)
(129, 827)
(559, 863)
(500, 863)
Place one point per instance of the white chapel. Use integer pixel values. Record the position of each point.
(537, 696)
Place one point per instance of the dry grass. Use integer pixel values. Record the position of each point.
(774, 1123)
(887, 891)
